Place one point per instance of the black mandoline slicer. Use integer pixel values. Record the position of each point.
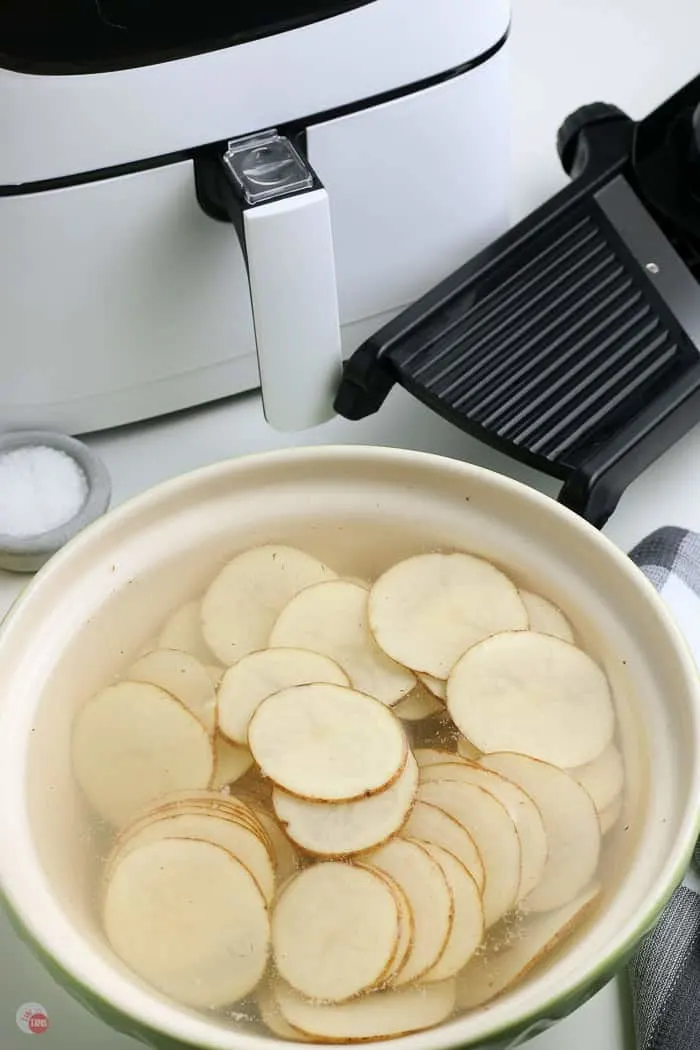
(572, 342)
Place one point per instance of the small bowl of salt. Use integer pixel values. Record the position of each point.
(51, 487)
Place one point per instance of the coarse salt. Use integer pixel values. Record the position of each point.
(41, 488)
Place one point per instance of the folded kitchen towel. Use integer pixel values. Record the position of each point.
(665, 971)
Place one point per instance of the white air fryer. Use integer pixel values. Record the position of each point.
(199, 199)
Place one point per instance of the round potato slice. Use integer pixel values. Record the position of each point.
(610, 815)
(436, 686)
(429, 897)
(465, 749)
(468, 928)
(270, 1014)
(603, 778)
(327, 743)
(285, 855)
(428, 823)
(238, 839)
(331, 618)
(184, 677)
(427, 610)
(231, 761)
(183, 630)
(488, 822)
(571, 823)
(335, 931)
(174, 909)
(245, 599)
(417, 705)
(429, 756)
(215, 805)
(339, 829)
(534, 694)
(545, 617)
(259, 675)
(490, 973)
(406, 928)
(521, 809)
(394, 1012)
(132, 743)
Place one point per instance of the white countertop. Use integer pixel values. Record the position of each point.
(565, 53)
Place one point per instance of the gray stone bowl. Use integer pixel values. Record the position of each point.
(27, 554)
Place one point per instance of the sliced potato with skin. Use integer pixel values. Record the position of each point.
(534, 694)
(417, 705)
(603, 778)
(490, 973)
(285, 855)
(237, 839)
(270, 1014)
(406, 928)
(175, 908)
(331, 618)
(132, 743)
(429, 823)
(243, 602)
(346, 745)
(429, 897)
(436, 686)
(429, 756)
(335, 931)
(427, 610)
(183, 630)
(521, 809)
(231, 761)
(394, 1012)
(465, 749)
(488, 822)
(571, 823)
(545, 617)
(339, 829)
(609, 816)
(467, 930)
(258, 675)
(184, 677)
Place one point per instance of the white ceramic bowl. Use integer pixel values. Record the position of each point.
(361, 509)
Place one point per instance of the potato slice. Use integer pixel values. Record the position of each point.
(133, 742)
(331, 618)
(427, 610)
(335, 931)
(571, 823)
(436, 686)
(417, 705)
(237, 839)
(339, 829)
(242, 604)
(395, 1012)
(490, 973)
(429, 897)
(609, 816)
(488, 822)
(430, 824)
(184, 677)
(285, 855)
(428, 756)
(465, 749)
(406, 928)
(231, 761)
(270, 1014)
(534, 694)
(468, 928)
(327, 743)
(521, 809)
(174, 909)
(545, 617)
(183, 630)
(603, 778)
(259, 675)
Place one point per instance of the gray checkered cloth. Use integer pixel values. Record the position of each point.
(665, 972)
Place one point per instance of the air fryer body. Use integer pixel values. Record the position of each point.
(122, 300)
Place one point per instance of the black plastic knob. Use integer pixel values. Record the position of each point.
(569, 133)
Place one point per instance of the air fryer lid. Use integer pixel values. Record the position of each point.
(573, 342)
(73, 36)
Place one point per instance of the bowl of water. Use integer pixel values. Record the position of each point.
(337, 745)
